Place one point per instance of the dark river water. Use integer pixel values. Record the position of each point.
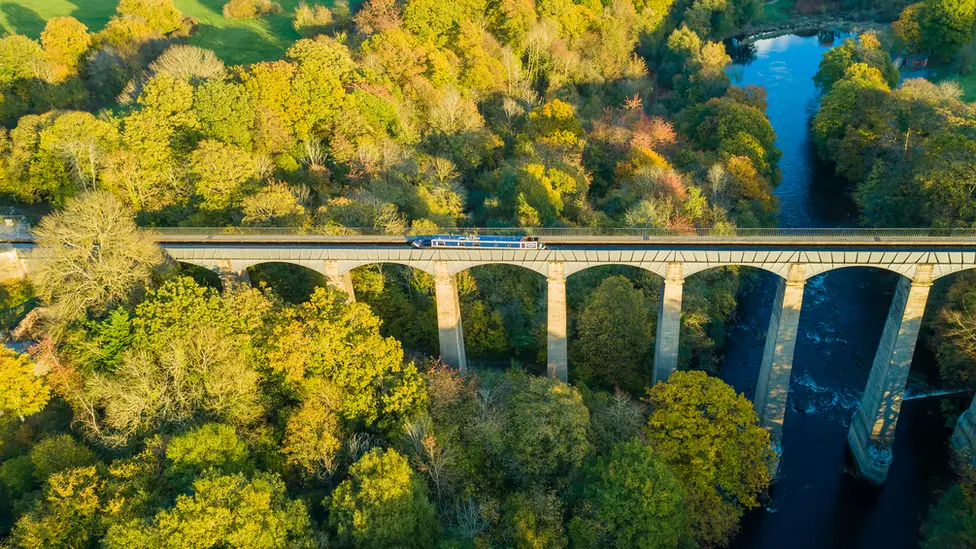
(818, 502)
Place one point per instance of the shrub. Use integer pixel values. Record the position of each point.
(312, 20)
(247, 9)
(188, 63)
(161, 15)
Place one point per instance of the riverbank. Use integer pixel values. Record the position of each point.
(807, 25)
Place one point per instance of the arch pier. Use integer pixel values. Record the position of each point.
(793, 256)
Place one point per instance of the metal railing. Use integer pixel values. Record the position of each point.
(19, 231)
(627, 232)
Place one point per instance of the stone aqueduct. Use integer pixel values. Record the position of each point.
(794, 257)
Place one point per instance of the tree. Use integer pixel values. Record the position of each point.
(275, 205)
(948, 24)
(56, 454)
(615, 337)
(68, 516)
(220, 172)
(189, 63)
(383, 504)
(534, 520)
(209, 447)
(544, 428)
(711, 439)
(160, 15)
(866, 49)
(329, 337)
(632, 501)
(313, 434)
(225, 112)
(21, 392)
(191, 359)
(222, 511)
(66, 40)
(91, 256)
(951, 523)
(908, 27)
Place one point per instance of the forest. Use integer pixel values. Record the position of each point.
(161, 407)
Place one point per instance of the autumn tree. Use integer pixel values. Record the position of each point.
(340, 341)
(21, 392)
(711, 439)
(92, 256)
(383, 504)
(313, 434)
(220, 172)
(161, 15)
(66, 40)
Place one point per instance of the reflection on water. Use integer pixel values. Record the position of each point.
(818, 502)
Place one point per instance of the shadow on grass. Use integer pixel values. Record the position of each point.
(93, 13)
(22, 20)
(238, 45)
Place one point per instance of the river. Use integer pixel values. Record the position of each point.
(818, 502)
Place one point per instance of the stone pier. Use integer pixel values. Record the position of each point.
(964, 436)
(230, 274)
(773, 386)
(449, 316)
(557, 359)
(872, 431)
(668, 325)
(342, 282)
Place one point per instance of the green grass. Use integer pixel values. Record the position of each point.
(950, 72)
(234, 41)
(781, 10)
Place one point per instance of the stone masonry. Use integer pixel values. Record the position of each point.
(557, 356)
(773, 387)
(668, 324)
(872, 431)
(449, 330)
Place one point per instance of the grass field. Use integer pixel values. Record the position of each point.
(777, 11)
(234, 41)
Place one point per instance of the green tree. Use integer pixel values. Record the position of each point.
(951, 523)
(58, 453)
(225, 113)
(68, 516)
(223, 511)
(383, 504)
(543, 433)
(948, 24)
(212, 446)
(534, 520)
(866, 49)
(21, 392)
(632, 501)
(614, 337)
(711, 439)
(908, 27)
(94, 256)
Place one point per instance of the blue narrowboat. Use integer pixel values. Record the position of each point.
(476, 241)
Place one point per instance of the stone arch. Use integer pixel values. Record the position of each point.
(904, 269)
(540, 267)
(943, 270)
(293, 281)
(347, 265)
(779, 269)
(573, 267)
